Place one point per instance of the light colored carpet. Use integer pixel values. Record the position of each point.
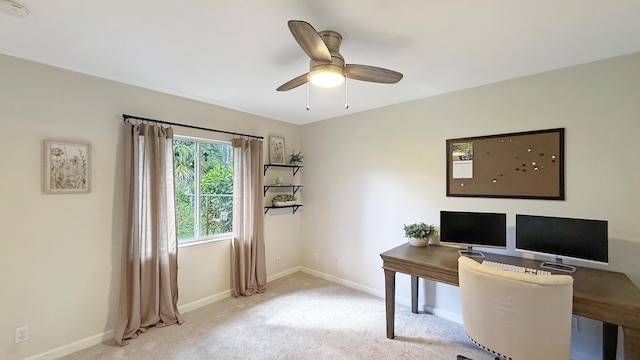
(299, 317)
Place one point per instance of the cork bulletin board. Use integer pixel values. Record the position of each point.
(524, 165)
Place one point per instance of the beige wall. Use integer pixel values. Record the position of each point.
(371, 172)
(60, 254)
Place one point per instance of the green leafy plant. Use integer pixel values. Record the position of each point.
(296, 158)
(419, 230)
(284, 198)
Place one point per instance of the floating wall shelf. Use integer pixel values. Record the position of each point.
(294, 168)
(294, 187)
(293, 207)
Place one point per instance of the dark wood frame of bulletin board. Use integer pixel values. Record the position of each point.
(523, 165)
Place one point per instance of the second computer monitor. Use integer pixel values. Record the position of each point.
(583, 239)
(471, 229)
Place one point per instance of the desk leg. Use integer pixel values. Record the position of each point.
(609, 341)
(414, 294)
(631, 343)
(390, 299)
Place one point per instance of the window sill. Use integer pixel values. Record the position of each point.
(204, 241)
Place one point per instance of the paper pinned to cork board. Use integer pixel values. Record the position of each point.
(462, 156)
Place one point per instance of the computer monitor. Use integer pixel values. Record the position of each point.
(473, 229)
(582, 239)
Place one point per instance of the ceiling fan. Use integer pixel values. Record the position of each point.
(327, 68)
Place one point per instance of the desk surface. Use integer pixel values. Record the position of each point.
(597, 294)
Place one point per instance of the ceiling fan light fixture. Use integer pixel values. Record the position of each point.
(327, 66)
(326, 78)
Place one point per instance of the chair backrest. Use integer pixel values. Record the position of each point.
(515, 315)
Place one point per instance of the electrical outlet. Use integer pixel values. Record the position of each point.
(22, 334)
(315, 256)
(277, 259)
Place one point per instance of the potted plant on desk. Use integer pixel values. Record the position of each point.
(419, 234)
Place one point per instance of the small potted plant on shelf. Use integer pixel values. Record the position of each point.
(283, 200)
(419, 234)
(296, 158)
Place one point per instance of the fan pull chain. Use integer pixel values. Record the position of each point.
(346, 92)
(308, 96)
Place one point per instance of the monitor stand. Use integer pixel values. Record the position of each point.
(468, 252)
(558, 266)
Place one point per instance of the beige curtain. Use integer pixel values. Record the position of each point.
(248, 268)
(148, 287)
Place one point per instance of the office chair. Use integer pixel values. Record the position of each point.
(515, 315)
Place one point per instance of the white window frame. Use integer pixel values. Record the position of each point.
(196, 168)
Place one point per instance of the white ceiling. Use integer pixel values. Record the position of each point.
(234, 53)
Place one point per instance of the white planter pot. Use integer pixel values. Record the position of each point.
(419, 241)
(283, 203)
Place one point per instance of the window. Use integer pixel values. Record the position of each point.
(204, 189)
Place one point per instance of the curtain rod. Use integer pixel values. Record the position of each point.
(125, 117)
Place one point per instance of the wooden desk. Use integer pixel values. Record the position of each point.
(602, 295)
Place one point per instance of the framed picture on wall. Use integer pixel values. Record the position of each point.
(276, 150)
(67, 167)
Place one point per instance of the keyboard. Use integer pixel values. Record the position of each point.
(516, 268)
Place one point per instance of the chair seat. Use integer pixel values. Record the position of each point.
(515, 315)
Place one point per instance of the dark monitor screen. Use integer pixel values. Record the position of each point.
(575, 238)
(473, 229)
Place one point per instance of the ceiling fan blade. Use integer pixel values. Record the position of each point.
(309, 40)
(372, 74)
(293, 83)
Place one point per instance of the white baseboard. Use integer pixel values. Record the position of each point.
(73, 347)
(227, 293)
(399, 300)
(455, 317)
(344, 282)
(284, 273)
(203, 302)
(439, 312)
(108, 335)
